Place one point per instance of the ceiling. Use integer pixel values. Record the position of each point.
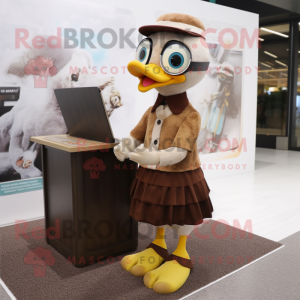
(273, 58)
(267, 13)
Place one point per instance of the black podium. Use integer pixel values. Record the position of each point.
(86, 197)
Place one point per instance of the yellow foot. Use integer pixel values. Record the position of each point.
(168, 278)
(140, 263)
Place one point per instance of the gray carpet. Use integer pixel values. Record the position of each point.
(110, 281)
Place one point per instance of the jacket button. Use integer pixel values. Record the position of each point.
(155, 142)
(158, 122)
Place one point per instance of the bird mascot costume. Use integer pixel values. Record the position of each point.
(169, 189)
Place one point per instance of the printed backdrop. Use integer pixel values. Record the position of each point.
(29, 108)
(34, 60)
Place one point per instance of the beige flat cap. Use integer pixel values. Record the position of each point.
(180, 23)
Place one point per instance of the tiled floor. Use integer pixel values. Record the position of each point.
(268, 197)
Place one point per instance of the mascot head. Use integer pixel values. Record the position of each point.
(173, 57)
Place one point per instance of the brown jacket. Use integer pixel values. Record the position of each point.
(178, 130)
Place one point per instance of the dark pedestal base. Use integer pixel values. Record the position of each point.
(87, 200)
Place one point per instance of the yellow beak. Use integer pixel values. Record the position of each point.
(152, 76)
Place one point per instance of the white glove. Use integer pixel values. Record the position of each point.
(126, 146)
(144, 156)
(171, 156)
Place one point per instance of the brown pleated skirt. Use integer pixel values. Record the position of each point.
(161, 198)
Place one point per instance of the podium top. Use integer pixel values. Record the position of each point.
(69, 143)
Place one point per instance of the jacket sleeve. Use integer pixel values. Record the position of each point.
(139, 131)
(188, 132)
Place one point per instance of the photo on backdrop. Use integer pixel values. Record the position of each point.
(37, 57)
(218, 98)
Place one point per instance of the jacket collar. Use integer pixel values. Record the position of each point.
(177, 103)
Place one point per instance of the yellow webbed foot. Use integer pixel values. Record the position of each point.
(140, 263)
(168, 278)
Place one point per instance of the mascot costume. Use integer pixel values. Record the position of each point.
(169, 189)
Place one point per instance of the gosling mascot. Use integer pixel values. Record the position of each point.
(169, 188)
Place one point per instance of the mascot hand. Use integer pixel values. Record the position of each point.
(144, 156)
(126, 146)
(120, 155)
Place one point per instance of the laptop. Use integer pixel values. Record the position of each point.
(84, 113)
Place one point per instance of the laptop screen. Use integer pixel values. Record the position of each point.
(84, 113)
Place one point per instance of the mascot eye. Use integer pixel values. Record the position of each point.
(175, 58)
(45, 68)
(144, 50)
(36, 68)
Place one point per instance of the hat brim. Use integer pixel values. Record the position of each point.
(150, 29)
